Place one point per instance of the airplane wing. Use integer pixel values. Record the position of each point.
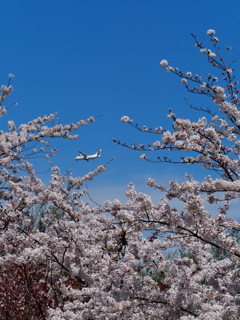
(82, 153)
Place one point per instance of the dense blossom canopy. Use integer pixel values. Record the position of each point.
(61, 258)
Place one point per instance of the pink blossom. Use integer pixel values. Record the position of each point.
(125, 119)
(163, 63)
(210, 32)
(184, 81)
(211, 54)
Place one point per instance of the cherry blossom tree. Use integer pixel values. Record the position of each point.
(82, 261)
(28, 283)
(204, 284)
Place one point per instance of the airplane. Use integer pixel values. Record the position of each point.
(83, 156)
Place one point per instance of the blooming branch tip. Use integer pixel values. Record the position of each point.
(163, 63)
(143, 157)
(125, 119)
(211, 32)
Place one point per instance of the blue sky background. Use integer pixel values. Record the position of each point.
(87, 58)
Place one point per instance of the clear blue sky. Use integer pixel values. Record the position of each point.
(87, 58)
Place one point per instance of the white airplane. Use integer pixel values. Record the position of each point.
(83, 156)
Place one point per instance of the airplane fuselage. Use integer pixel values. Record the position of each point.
(86, 157)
